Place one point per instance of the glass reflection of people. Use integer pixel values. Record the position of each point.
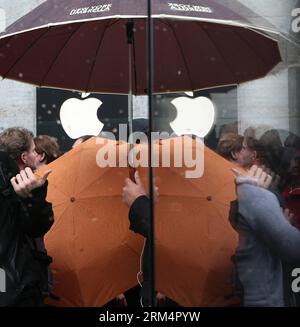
(238, 149)
(266, 239)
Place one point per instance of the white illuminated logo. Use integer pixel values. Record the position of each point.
(194, 116)
(79, 117)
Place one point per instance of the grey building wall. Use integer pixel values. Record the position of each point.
(274, 100)
(17, 100)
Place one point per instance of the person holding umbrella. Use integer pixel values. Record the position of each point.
(25, 216)
(135, 197)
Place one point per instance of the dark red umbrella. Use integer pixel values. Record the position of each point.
(82, 45)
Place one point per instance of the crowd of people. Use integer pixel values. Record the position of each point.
(266, 216)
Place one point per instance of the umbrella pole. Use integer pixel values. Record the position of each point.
(151, 192)
(129, 30)
(150, 239)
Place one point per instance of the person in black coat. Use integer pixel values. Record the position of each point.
(24, 216)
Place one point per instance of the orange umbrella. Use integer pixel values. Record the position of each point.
(194, 240)
(96, 257)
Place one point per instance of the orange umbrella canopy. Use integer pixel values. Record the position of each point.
(194, 241)
(96, 256)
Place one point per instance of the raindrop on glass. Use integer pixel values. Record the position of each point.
(21, 75)
(54, 106)
(121, 111)
(49, 112)
(165, 29)
(179, 72)
(58, 122)
(44, 105)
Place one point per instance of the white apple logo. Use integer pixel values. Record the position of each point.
(194, 116)
(79, 117)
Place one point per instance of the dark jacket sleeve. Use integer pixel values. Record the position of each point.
(139, 216)
(37, 213)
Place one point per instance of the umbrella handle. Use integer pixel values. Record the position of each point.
(132, 171)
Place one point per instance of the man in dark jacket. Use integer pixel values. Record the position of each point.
(135, 197)
(24, 216)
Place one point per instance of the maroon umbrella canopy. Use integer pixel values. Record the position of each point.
(82, 45)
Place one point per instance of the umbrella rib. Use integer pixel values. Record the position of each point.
(26, 50)
(97, 52)
(79, 198)
(250, 47)
(60, 51)
(96, 178)
(57, 220)
(220, 53)
(193, 185)
(181, 52)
